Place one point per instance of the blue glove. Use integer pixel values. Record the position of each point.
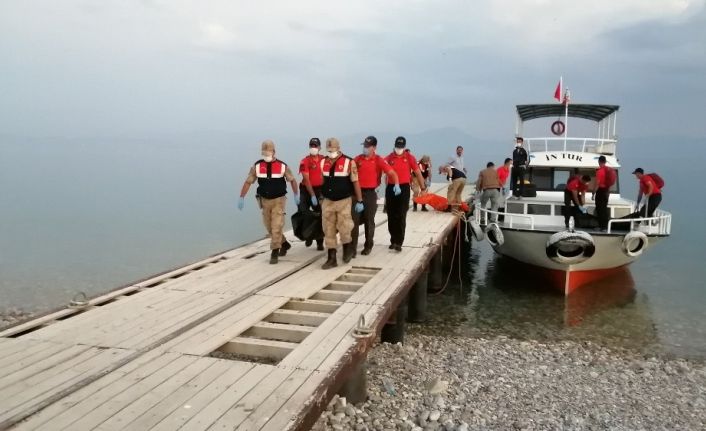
(296, 199)
(314, 201)
(241, 203)
(428, 183)
(359, 207)
(583, 210)
(397, 190)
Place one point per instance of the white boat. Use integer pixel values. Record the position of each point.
(532, 229)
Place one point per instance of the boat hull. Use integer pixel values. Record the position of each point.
(529, 247)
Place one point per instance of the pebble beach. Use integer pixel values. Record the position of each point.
(454, 383)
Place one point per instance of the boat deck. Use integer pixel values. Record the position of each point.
(228, 342)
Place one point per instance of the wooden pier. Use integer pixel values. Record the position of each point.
(230, 342)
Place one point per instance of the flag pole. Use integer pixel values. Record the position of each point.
(566, 116)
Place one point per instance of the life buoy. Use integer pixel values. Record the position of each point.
(634, 243)
(570, 247)
(558, 127)
(476, 230)
(494, 235)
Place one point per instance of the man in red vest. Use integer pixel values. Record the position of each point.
(404, 164)
(340, 185)
(370, 169)
(649, 189)
(312, 180)
(272, 176)
(605, 178)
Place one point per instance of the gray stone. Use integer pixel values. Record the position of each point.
(434, 416)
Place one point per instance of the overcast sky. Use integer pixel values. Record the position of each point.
(270, 68)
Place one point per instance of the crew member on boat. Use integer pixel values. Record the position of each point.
(488, 185)
(575, 196)
(605, 178)
(649, 189)
(272, 176)
(520, 160)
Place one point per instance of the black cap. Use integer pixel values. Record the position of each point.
(400, 142)
(602, 159)
(370, 141)
(638, 171)
(314, 142)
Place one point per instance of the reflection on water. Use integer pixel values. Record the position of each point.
(499, 296)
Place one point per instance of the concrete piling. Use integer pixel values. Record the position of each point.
(393, 331)
(417, 307)
(355, 389)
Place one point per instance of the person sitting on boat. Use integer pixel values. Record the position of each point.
(488, 185)
(575, 197)
(520, 160)
(649, 189)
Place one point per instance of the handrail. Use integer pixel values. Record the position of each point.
(484, 216)
(571, 144)
(663, 221)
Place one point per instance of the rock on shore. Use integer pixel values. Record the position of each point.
(457, 384)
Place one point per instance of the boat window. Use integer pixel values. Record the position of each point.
(561, 177)
(558, 209)
(539, 209)
(515, 208)
(541, 178)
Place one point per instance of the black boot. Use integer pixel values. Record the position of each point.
(414, 206)
(319, 244)
(331, 262)
(366, 249)
(424, 207)
(348, 252)
(285, 246)
(274, 256)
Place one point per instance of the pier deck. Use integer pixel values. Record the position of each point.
(230, 342)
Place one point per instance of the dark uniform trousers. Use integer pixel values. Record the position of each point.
(517, 174)
(397, 207)
(366, 218)
(652, 202)
(602, 213)
(570, 207)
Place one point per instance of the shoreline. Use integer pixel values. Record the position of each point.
(455, 383)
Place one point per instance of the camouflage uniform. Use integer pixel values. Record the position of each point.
(273, 210)
(337, 217)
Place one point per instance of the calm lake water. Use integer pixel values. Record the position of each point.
(90, 216)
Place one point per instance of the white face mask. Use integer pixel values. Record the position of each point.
(268, 159)
(333, 154)
(313, 151)
(399, 151)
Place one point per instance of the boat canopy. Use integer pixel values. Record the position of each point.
(589, 112)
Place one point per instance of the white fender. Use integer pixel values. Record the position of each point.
(570, 247)
(494, 235)
(476, 230)
(634, 243)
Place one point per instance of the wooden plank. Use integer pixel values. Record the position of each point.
(332, 295)
(258, 348)
(312, 305)
(357, 278)
(239, 409)
(24, 396)
(268, 406)
(293, 407)
(179, 398)
(33, 355)
(141, 404)
(61, 414)
(215, 400)
(62, 354)
(296, 317)
(278, 331)
(213, 333)
(347, 286)
(119, 400)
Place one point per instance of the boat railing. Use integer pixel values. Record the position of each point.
(510, 219)
(659, 224)
(583, 145)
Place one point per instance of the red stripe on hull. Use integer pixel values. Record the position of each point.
(568, 281)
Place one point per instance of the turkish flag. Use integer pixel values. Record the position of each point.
(557, 92)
